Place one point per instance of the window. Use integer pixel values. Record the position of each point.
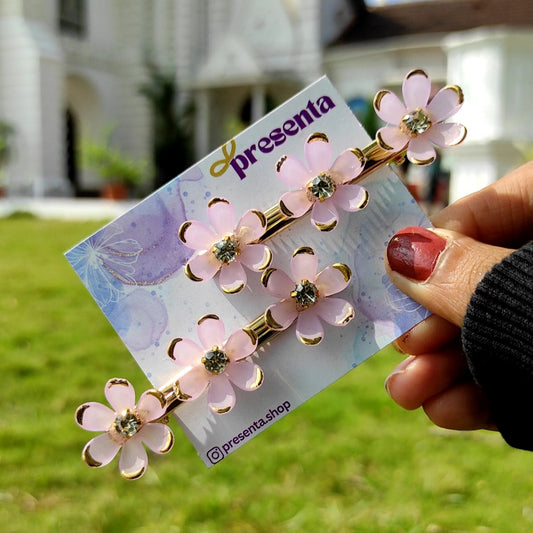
(72, 17)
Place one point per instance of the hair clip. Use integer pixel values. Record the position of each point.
(215, 364)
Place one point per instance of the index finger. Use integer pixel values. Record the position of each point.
(500, 214)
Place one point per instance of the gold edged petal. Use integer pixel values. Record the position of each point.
(217, 200)
(169, 442)
(261, 216)
(271, 323)
(458, 91)
(382, 144)
(280, 162)
(252, 334)
(234, 290)
(379, 97)
(183, 228)
(422, 162)
(317, 136)
(259, 378)
(133, 475)
(310, 342)
(158, 395)
(80, 411)
(303, 250)
(285, 210)
(359, 154)
(266, 276)
(350, 314)
(88, 459)
(416, 71)
(179, 393)
(171, 346)
(221, 410)
(268, 259)
(206, 317)
(326, 227)
(189, 273)
(344, 270)
(365, 200)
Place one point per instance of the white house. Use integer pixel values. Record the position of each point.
(70, 69)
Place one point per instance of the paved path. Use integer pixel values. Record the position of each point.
(66, 208)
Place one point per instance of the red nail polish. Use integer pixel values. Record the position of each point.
(413, 252)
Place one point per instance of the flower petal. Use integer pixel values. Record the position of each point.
(420, 151)
(94, 416)
(447, 134)
(292, 172)
(391, 138)
(251, 226)
(210, 330)
(335, 311)
(281, 314)
(324, 215)
(202, 266)
(193, 383)
(246, 375)
(158, 437)
(277, 283)
(350, 197)
(232, 277)
(309, 330)
(133, 459)
(256, 257)
(197, 235)
(304, 264)
(185, 352)
(151, 405)
(239, 345)
(416, 89)
(100, 451)
(333, 279)
(120, 394)
(445, 103)
(389, 107)
(296, 202)
(221, 214)
(220, 395)
(318, 152)
(348, 165)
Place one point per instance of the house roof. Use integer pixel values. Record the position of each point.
(438, 16)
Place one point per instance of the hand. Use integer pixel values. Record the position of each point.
(440, 269)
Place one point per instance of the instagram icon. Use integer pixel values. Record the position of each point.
(215, 455)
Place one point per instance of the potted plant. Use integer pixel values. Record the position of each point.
(120, 173)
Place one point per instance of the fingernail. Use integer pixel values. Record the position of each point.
(413, 252)
(400, 369)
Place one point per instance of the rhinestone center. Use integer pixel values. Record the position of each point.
(215, 360)
(415, 123)
(305, 293)
(321, 188)
(226, 250)
(127, 423)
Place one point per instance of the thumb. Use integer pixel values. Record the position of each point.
(439, 268)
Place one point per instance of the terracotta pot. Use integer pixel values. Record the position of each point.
(114, 191)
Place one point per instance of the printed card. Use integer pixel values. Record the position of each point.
(135, 269)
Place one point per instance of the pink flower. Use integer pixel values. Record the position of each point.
(226, 247)
(305, 296)
(216, 364)
(419, 123)
(322, 187)
(126, 426)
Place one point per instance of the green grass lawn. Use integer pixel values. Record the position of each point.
(348, 460)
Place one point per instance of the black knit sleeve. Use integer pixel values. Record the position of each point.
(497, 339)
